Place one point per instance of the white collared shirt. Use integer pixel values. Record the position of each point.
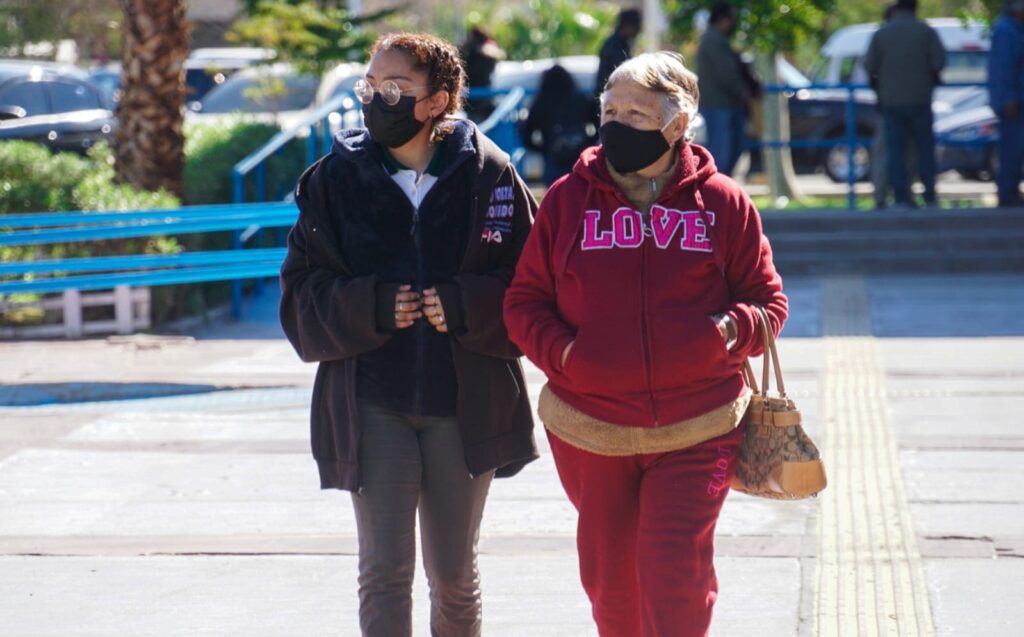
(415, 187)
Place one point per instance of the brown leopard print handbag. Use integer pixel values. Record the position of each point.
(776, 459)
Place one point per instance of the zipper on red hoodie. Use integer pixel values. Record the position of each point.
(644, 330)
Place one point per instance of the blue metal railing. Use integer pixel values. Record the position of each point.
(850, 139)
(97, 273)
(317, 129)
(502, 126)
(243, 220)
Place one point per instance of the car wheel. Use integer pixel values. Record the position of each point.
(991, 165)
(837, 163)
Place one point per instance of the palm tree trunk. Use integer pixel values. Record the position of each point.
(150, 144)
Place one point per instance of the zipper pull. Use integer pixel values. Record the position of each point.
(415, 222)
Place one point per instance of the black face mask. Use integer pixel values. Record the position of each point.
(392, 126)
(629, 149)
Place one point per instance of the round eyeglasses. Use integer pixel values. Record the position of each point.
(389, 91)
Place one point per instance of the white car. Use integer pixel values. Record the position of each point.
(272, 94)
(842, 55)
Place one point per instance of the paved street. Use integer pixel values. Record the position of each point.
(163, 485)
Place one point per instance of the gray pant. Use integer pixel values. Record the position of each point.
(407, 463)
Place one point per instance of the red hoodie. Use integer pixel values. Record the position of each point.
(638, 307)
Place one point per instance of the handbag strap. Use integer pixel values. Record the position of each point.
(771, 353)
(748, 374)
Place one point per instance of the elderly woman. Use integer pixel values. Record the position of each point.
(407, 237)
(635, 294)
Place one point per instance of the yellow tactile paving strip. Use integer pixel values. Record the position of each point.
(870, 580)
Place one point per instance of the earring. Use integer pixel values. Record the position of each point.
(436, 134)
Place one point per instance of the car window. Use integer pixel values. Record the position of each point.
(819, 70)
(199, 82)
(847, 68)
(31, 96)
(109, 85)
(261, 95)
(965, 66)
(789, 75)
(67, 97)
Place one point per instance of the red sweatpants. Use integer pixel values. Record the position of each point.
(645, 534)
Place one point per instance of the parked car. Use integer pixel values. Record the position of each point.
(821, 114)
(526, 74)
(205, 69)
(208, 68)
(817, 115)
(338, 81)
(273, 94)
(966, 138)
(108, 80)
(53, 105)
(842, 55)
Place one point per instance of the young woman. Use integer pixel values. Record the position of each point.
(635, 295)
(408, 235)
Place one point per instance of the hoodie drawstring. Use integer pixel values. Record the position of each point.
(712, 232)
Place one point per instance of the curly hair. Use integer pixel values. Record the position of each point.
(437, 58)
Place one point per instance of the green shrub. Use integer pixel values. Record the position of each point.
(35, 180)
(32, 179)
(97, 190)
(212, 150)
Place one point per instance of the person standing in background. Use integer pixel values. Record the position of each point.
(618, 47)
(903, 63)
(879, 156)
(480, 56)
(725, 89)
(558, 123)
(1006, 96)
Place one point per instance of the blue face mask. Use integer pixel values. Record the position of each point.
(630, 149)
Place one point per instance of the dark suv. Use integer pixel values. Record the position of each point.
(53, 105)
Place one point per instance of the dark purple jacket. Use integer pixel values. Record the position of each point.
(329, 313)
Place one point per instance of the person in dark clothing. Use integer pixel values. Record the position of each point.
(879, 154)
(480, 56)
(1006, 95)
(903, 63)
(560, 117)
(618, 47)
(727, 85)
(408, 235)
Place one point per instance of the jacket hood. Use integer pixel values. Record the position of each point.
(694, 167)
(463, 141)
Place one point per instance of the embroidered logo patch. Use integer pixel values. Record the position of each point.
(498, 221)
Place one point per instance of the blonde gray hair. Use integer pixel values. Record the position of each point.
(663, 72)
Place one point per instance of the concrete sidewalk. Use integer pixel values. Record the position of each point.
(198, 512)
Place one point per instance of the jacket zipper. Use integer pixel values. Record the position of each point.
(644, 318)
(645, 339)
(419, 326)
